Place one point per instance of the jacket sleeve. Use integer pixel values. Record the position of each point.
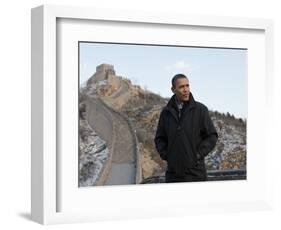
(209, 135)
(161, 140)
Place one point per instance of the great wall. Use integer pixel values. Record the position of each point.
(123, 165)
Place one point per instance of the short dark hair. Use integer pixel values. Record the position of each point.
(176, 77)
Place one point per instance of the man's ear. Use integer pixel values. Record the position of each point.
(173, 90)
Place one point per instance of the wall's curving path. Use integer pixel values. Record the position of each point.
(116, 131)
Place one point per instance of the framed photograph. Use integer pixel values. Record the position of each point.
(100, 79)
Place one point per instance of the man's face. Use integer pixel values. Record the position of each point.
(181, 89)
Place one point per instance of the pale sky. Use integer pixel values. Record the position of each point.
(217, 76)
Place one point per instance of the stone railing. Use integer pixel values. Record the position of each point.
(212, 175)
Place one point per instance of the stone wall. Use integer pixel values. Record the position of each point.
(138, 176)
(104, 68)
(100, 119)
(99, 116)
(123, 94)
(114, 81)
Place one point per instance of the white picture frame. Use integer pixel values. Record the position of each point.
(54, 202)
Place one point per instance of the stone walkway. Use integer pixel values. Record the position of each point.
(123, 161)
(123, 169)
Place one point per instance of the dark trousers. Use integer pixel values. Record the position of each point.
(191, 175)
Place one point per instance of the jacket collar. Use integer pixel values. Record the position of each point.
(172, 106)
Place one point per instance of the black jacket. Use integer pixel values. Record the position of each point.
(184, 141)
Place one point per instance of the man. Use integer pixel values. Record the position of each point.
(185, 134)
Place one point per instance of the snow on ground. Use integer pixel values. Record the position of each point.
(93, 155)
